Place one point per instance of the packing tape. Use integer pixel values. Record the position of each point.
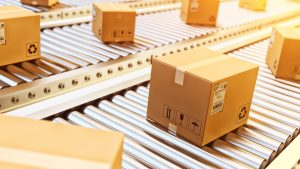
(44, 160)
(180, 71)
(297, 77)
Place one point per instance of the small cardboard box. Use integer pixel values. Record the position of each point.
(202, 12)
(283, 57)
(46, 3)
(42, 144)
(113, 22)
(19, 35)
(258, 5)
(201, 94)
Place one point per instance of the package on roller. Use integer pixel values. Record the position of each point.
(36, 144)
(46, 3)
(258, 5)
(200, 94)
(113, 22)
(202, 12)
(283, 57)
(19, 35)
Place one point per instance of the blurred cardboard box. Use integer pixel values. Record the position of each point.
(259, 5)
(19, 35)
(113, 22)
(42, 144)
(46, 3)
(201, 94)
(202, 12)
(283, 57)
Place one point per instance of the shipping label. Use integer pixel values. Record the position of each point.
(219, 96)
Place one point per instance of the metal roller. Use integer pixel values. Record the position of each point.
(3, 85)
(55, 69)
(130, 147)
(258, 138)
(20, 73)
(67, 65)
(40, 72)
(267, 130)
(254, 148)
(141, 122)
(239, 154)
(136, 97)
(9, 79)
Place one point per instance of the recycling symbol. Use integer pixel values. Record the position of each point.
(243, 113)
(32, 49)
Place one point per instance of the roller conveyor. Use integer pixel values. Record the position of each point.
(272, 125)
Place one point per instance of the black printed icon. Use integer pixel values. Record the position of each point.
(1, 25)
(243, 112)
(194, 126)
(99, 32)
(181, 119)
(32, 49)
(168, 113)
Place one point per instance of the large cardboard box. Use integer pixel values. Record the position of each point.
(19, 35)
(201, 94)
(202, 12)
(113, 22)
(42, 144)
(258, 5)
(283, 57)
(46, 3)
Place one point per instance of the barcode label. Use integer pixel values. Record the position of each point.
(2, 33)
(219, 96)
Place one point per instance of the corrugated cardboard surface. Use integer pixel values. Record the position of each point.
(113, 22)
(61, 140)
(200, 11)
(171, 104)
(21, 33)
(46, 3)
(283, 55)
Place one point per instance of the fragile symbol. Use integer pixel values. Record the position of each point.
(181, 119)
(168, 112)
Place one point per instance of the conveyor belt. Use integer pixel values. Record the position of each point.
(70, 47)
(273, 123)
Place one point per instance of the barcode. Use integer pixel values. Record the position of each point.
(218, 105)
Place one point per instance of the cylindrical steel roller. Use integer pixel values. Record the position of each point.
(239, 154)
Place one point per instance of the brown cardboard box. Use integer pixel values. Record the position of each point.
(57, 146)
(113, 22)
(47, 3)
(283, 57)
(201, 94)
(200, 11)
(19, 35)
(259, 5)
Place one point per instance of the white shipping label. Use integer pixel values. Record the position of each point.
(219, 96)
(2, 33)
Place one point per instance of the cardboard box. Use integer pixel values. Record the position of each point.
(42, 144)
(46, 3)
(113, 22)
(258, 5)
(283, 57)
(202, 12)
(201, 94)
(19, 35)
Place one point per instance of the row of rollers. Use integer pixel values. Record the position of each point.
(127, 114)
(264, 136)
(71, 47)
